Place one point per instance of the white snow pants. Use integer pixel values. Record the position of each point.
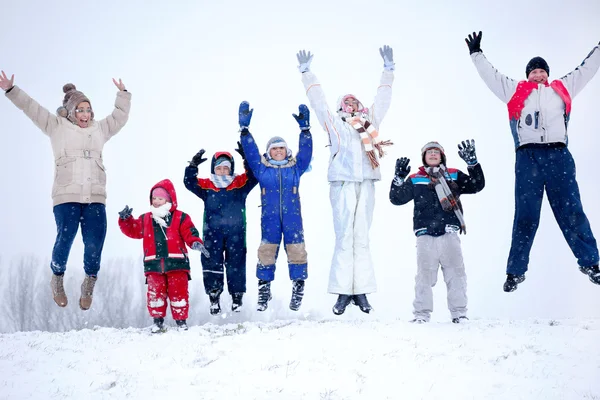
(352, 267)
(433, 251)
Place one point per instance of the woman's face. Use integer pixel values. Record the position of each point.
(83, 114)
(433, 157)
(351, 104)
(278, 153)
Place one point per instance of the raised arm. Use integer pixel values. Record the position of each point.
(190, 179)
(248, 144)
(475, 181)
(502, 86)
(41, 117)
(112, 124)
(305, 145)
(131, 227)
(576, 80)
(251, 180)
(383, 98)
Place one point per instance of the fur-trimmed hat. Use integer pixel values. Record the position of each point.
(535, 63)
(73, 98)
(433, 145)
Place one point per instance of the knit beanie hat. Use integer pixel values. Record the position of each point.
(277, 141)
(223, 161)
(433, 145)
(160, 192)
(73, 98)
(535, 63)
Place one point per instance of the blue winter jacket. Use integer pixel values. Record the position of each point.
(280, 197)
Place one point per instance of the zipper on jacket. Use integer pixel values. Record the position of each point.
(162, 265)
(280, 196)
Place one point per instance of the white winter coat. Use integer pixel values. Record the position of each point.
(348, 160)
(544, 102)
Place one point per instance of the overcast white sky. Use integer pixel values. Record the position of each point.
(189, 66)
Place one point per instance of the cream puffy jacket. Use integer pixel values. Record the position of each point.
(79, 173)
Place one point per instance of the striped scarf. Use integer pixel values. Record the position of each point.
(221, 181)
(370, 138)
(441, 182)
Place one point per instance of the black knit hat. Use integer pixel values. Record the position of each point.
(535, 63)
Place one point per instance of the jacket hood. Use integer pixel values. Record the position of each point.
(222, 154)
(168, 186)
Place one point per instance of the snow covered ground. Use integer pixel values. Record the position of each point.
(309, 359)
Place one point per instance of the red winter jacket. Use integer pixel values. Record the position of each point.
(164, 249)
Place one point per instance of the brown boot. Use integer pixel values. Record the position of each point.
(87, 290)
(58, 290)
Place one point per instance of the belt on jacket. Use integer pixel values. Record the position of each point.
(554, 145)
(81, 153)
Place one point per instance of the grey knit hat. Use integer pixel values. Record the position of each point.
(278, 141)
(433, 145)
(73, 98)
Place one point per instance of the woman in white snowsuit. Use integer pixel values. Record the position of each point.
(539, 112)
(353, 171)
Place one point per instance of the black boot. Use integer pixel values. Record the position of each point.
(361, 301)
(460, 319)
(264, 295)
(236, 303)
(297, 294)
(158, 326)
(512, 281)
(215, 307)
(181, 324)
(593, 272)
(341, 303)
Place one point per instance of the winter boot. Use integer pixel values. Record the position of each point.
(159, 326)
(215, 307)
(418, 320)
(264, 295)
(593, 272)
(341, 303)
(460, 319)
(512, 281)
(297, 294)
(236, 301)
(181, 324)
(361, 301)
(58, 290)
(87, 290)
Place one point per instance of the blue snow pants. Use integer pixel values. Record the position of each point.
(92, 218)
(227, 256)
(551, 168)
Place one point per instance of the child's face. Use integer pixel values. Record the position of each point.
(538, 75)
(433, 157)
(278, 153)
(158, 201)
(222, 170)
(83, 114)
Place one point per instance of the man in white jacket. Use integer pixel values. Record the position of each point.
(539, 112)
(353, 170)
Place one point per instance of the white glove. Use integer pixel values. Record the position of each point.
(304, 60)
(388, 57)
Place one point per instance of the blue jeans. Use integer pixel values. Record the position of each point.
(552, 169)
(68, 216)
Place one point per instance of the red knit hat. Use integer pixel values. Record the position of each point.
(160, 192)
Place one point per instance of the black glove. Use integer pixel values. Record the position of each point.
(197, 159)
(467, 152)
(402, 167)
(474, 42)
(125, 213)
(240, 150)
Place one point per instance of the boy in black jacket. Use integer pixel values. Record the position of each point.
(438, 218)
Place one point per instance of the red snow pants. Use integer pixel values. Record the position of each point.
(172, 284)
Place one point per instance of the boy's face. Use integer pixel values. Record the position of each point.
(83, 114)
(538, 75)
(222, 170)
(278, 153)
(433, 157)
(158, 201)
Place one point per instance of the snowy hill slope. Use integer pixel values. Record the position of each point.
(325, 359)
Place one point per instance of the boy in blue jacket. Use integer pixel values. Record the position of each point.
(224, 230)
(278, 173)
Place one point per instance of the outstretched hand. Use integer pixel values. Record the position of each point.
(303, 117)
(474, 42)
(245, 114)
(200, 247)
(198, 158)
(6, 83)
(304, 60)
(120, 85)
(387, 53)
(125, 213)
(402, 167)
(466, 151)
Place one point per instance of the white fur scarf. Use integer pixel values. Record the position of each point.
(159, 214)
(370, 138)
